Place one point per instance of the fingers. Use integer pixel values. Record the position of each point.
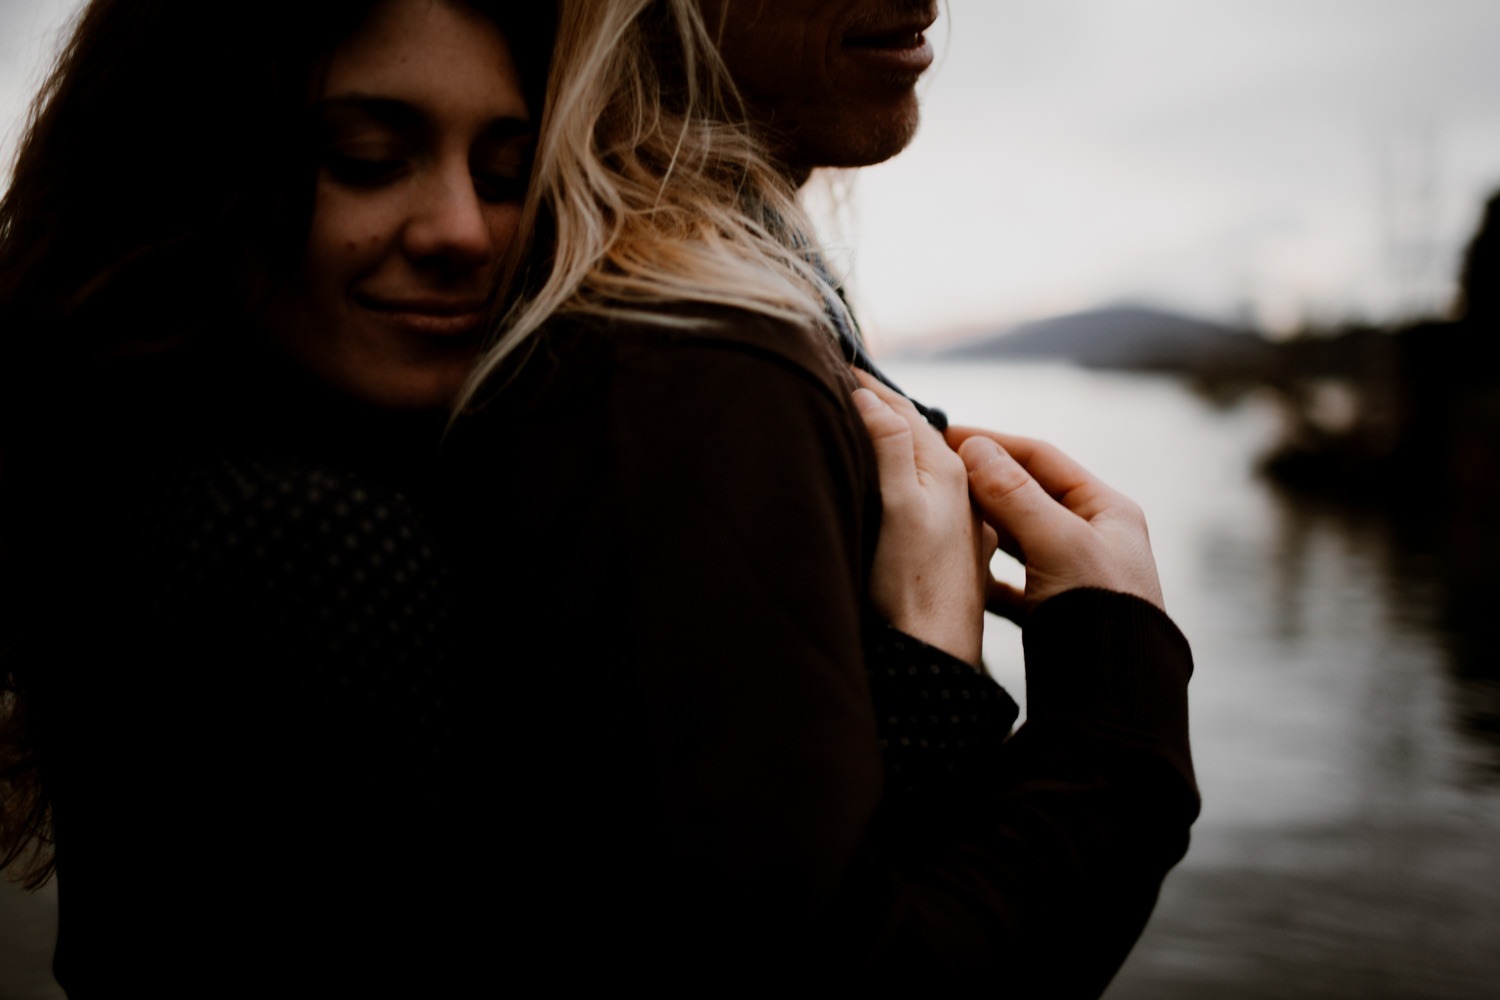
(930, 446)
(895, 451)
(934, 460)
(1059, 475)
(1001, 598)
(1011, 500)
(1006, 601)
(1055, 471)
(1070, 529)
(989, 541)
(889, 396)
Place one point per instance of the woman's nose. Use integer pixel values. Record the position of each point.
(449, 222)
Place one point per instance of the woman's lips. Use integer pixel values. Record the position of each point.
(431, 317)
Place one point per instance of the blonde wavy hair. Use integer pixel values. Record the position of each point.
(651, 185)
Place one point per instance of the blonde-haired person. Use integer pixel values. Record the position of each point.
(748, 742)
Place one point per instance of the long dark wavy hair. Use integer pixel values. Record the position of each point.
(164, 182)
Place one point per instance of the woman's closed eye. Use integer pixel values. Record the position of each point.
(365, 168)
(499, 187)
(501, 168)
(368, 142)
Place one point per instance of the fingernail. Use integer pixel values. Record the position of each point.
(980, 451)
(867, 401)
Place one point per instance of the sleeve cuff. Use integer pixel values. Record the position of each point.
(1110, 656)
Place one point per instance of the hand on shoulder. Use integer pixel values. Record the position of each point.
(931, 571)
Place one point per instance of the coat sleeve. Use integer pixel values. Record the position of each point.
(1037, 864)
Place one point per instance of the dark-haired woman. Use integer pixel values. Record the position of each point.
(246, 261)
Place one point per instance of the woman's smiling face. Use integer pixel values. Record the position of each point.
(424, 145)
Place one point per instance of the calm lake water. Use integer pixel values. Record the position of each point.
(1350, 839)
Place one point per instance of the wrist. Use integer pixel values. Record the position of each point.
(952, 631)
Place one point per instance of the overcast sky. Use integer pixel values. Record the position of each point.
(1269, 159)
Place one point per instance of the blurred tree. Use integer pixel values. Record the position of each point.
(1479, 284)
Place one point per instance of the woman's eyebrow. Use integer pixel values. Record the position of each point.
(506, 129)
(382, 110)
(401, 115)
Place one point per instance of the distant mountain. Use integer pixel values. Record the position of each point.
(1131, 337)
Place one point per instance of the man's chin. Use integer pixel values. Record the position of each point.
(858, 141)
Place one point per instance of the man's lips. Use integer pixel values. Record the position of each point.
(895, 46)
(901, 31)
(899, 57)
(899, 39)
